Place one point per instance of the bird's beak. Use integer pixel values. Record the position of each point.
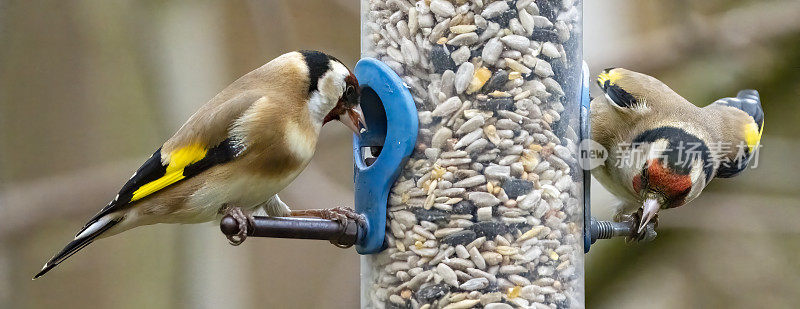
(650, 209)
(353, 119)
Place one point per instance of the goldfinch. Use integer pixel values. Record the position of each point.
(662, 149)
(236, 152)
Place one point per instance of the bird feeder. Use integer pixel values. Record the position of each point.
(488, 209)
(469, 174)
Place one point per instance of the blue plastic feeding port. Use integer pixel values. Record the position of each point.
(586, 134)
(383, 149)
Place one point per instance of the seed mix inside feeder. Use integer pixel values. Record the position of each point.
(488, 210)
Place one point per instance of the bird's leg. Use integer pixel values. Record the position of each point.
(244, 222)
(340, 214)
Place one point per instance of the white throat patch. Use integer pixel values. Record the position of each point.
(330, 88)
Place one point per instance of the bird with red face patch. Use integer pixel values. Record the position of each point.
(664, 150)
(236, 152)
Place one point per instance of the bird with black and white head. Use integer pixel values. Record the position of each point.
(663, 150)
(236, 152)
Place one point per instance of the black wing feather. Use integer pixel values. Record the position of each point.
(153, 169)
(619, 96)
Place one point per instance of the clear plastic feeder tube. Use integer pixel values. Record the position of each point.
(488, 212)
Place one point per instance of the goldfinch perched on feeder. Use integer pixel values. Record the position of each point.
(236, 152)
(662, 149)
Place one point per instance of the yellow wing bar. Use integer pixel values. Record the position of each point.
(178, 160)
(611, 76)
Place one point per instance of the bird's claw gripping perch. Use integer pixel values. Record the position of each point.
(349, 228)
(639, 234)
(339, 214)
(345, 216)
(624, 225)
(244, 223)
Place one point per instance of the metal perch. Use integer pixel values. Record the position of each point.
(340, 234)
(627, 229)
(349, 233)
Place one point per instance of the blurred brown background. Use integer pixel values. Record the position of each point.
(88, 89)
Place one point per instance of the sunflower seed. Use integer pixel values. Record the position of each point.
(474, 284)
(516, 66)
(460, 55)
(442, 8)
(447, 107)
(491, 51)
(464, 76)
(517, 42)
(494, 9)
(464, 39)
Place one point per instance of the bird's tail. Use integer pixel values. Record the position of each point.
(749, 102)
(85, 237)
